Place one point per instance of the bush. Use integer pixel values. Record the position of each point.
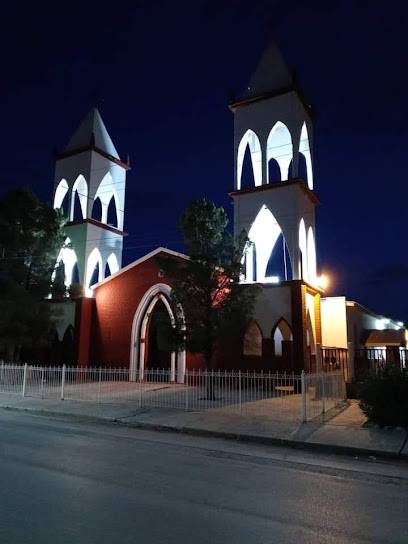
(384, 396)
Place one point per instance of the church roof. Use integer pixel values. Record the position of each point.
(92, 130)
(270, 75)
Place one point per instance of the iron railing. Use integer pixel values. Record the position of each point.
(248, 394)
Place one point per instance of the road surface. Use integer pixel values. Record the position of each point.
(71, 481)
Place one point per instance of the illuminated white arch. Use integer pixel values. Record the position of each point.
(113, 263)
(304, 148)
(68, 257)
(281, 332)
(303, 249)
(311, 256)
(81, 187)
(252, 140)
(264, 232)
(160, 291)
(279, 147)
(93, 259)
(60, 193)
(105, 192)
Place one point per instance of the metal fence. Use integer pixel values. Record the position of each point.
(335, 359)
(372, 359)
(247, 394)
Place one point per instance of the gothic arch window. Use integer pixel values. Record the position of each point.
(68, 346)
(263, 235)
(281, 332)
(67, 256)
(303, 250)
(61, 196)
(279, 147)
(253, 340)
(250, 140)
(94, 270)
(97, 209)
(311, 256)
(112, 219)
(79, 196)
(112, 265)
(304, 149)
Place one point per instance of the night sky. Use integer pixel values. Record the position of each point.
(161, 74)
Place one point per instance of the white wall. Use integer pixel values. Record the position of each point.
(334, 322)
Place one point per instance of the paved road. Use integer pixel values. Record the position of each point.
(67, 481)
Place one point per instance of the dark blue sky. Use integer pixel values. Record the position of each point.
(161, 74)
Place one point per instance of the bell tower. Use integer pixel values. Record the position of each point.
(274, 203)
(90, 183)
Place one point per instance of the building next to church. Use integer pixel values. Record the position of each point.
(116, 322)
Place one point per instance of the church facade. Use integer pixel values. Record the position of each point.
(115, 323)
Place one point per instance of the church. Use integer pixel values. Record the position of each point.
(115, 323)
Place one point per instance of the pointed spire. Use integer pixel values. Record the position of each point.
(270, 75)
(92, 131)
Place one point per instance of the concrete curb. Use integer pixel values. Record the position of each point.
(255, 439)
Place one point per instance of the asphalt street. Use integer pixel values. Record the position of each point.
(71, 481)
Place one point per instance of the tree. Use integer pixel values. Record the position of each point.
(206, 289)
(31, 236)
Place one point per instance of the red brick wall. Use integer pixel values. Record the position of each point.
(116, 303)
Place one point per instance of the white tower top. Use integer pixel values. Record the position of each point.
(270, 75)
(92, 129)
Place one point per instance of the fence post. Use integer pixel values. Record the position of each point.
(303, 389)
(240, 392)
(319, 365)
(140, 387)
(186, 385)
(100, 384)
(24, 380)
(2, 372)
(42, 381)
(63, 382)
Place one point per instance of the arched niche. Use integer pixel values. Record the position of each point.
(279, 267)
(253, 340)
(68, 257)
(311, 257)
(112, 218)
(304, 149)
(68, 346)
(262, 235)
(250, 140)
(279, 147)
(97, 210)
(94, 264)
(281, 333)
(140, 328)
(79, 193)
(303, 250)
(61, 196)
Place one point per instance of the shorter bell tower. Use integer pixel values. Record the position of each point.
(90, 183)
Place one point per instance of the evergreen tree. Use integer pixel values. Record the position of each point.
(31, 236)
(206, 288)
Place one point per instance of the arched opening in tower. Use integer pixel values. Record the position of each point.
(302, 169)
(77, 210)
(159, 347)
(68, 347)
(75, 274)
(97, 209)
(112, 219)
(107, 271)
(247, 177)
(95, 275)
(279, 266)
(65, 205)
(274, 173)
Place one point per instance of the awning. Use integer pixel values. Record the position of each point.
(386, 337)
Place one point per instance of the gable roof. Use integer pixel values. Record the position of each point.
(92, 130)
(140, 261)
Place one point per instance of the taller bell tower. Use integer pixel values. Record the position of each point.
(275, 205)
(90, 183)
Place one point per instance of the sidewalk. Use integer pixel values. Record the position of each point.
(341, 432)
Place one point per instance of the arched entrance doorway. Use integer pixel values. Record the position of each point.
(150, 347)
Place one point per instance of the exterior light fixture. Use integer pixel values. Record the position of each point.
(323, 281)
